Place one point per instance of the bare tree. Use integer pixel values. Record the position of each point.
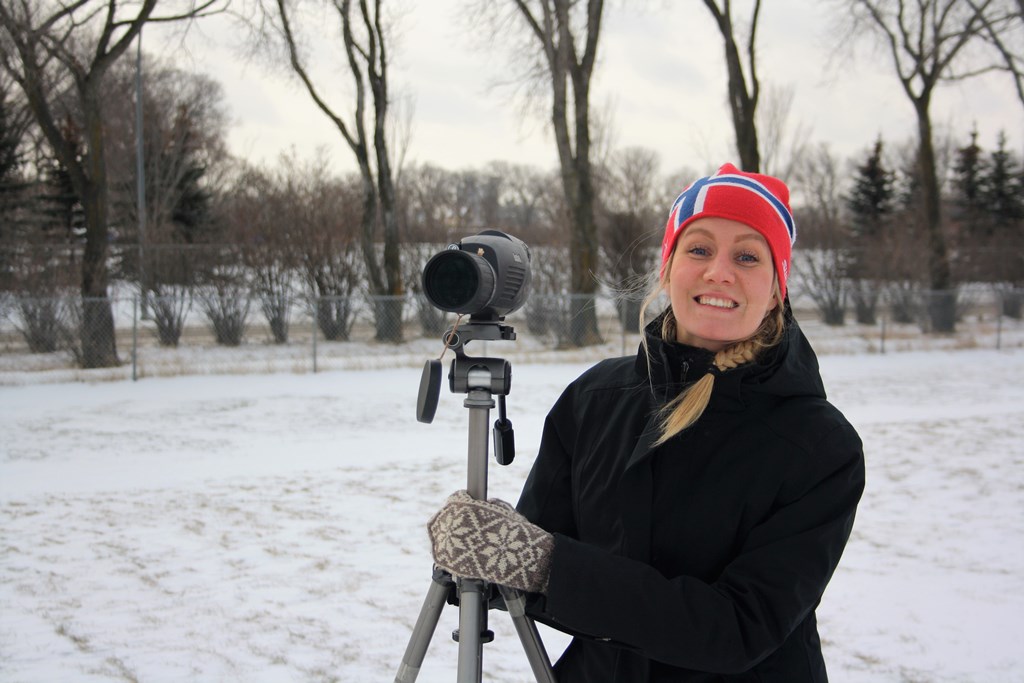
(744, 87)
(783, 142)
(59, 54)
(184, 152)
(443, 206)
(426, 197)
(824, 260)
(255, 215)
(523, 189)
(477, 196)
(998, 35)
(564, 37)
(224, 298)
(365, 44)
(931, 41)
(414, 259)
(320, 218)
(185, 124)
(632, 234)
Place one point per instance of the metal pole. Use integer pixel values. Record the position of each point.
(135, 338)
(999, 321)
(480, 403)
(316, 307)
(472, 606)
(472, 615)
(140, 180)
(882, 349)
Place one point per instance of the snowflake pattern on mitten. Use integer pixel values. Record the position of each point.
(489, 540)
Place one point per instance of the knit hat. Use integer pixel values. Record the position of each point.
(757, 200)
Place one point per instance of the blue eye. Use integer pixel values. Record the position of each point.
(748, 257)
(699, 251)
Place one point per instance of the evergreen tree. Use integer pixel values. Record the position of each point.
(191, 204)
(870, 203)
(12, 185)
(1002, 187)
(11, 142)
(39, 209)
(907, 196)
(192, 210)
(968, 179)
(14, 128)
(871, 199)
(59, 208)
(1002, 195)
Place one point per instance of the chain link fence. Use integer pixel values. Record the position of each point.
(222, 331)
(897, 317)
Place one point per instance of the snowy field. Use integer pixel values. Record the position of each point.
(271, 527)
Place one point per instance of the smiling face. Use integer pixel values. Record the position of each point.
(721, 282)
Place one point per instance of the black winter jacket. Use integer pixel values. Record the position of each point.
(702, 559)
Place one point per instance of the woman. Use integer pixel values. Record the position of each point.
(687, 506)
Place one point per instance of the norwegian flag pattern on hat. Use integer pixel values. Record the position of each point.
(754, 199)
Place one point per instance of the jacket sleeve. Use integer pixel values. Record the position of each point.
(774, 582)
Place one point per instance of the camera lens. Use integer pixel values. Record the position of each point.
(458, 281)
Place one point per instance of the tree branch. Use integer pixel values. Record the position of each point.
(755, 84)
(196, 13)
(992, 34)
(595, 10)
(531, 21)
(300, 70)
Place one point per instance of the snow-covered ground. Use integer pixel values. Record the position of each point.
(271, 527)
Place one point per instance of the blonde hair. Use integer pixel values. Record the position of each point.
(685, 409)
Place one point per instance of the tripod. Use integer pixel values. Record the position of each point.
(480, 379)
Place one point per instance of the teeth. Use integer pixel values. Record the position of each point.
(719, 303)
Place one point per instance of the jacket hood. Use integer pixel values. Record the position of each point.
(788, 369)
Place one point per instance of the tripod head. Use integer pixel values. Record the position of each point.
(468, 373)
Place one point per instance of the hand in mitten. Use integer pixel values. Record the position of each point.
(489, 540)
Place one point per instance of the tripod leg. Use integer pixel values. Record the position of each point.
(472, 612)
(424, 629)
(528, 635)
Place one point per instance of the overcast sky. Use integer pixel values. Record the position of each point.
(660, 83)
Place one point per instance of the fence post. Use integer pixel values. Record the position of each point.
(316, 307)
(999, 321)
(135, 337)
(882, 346)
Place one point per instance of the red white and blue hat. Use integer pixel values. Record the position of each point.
(760, 201)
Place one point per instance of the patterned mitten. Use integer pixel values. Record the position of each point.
(489, 540)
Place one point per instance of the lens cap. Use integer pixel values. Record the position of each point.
(430, 391)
